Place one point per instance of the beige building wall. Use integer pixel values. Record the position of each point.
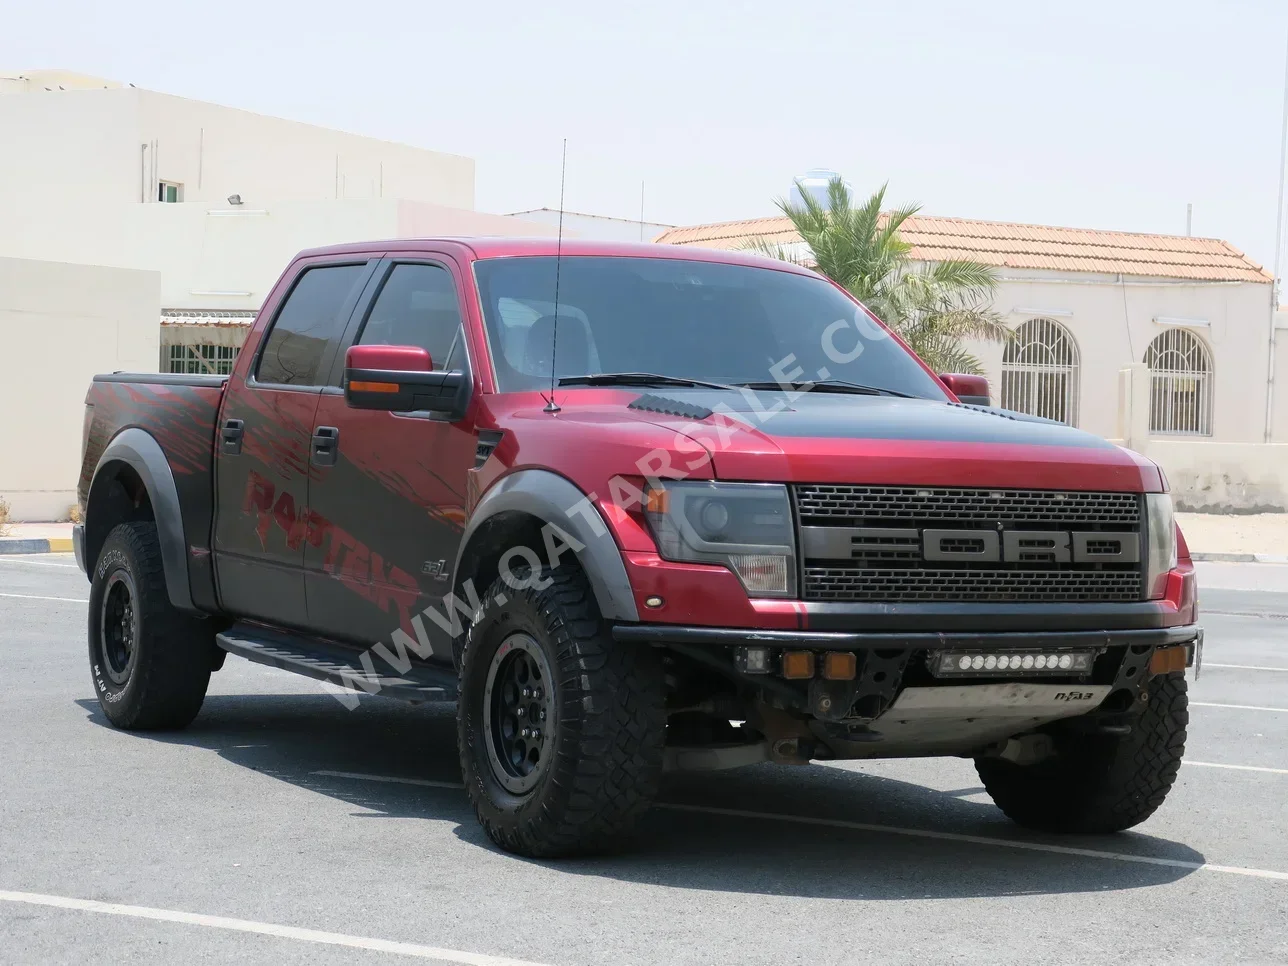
(59, 325)
(1113, 323)
(218, 258)
(116, 143)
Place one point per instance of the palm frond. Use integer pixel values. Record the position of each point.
(770, 249)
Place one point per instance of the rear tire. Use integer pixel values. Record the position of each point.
(544, 657)
(150, 662)
(1098, 783)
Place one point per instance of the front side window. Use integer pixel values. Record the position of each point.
(312, 316)
(687, 319)
(417, 306)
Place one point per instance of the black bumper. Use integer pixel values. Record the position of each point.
(878, 640)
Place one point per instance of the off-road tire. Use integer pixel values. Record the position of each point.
(609, 705)
(168, 670)
(1098, 783)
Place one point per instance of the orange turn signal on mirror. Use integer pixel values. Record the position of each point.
(797, 665)
(374, 386)
(1165, 660)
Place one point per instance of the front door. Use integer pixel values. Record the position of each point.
(263, 445)
(392, 495)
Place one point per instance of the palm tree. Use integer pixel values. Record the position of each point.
(933, 307)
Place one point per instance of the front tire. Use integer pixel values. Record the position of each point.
(150, 662)
(1098, 783)
(561, 729)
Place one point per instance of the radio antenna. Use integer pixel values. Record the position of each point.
(551, 405)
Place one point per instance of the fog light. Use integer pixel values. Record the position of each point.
(798, 665)
(840, 665)
(761, 573)
(752, 660)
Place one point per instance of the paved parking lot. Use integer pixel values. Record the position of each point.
(281, 828)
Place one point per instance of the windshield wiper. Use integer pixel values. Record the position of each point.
(637, 379)
(830, 385)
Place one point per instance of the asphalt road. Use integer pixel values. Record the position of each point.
(281, 828)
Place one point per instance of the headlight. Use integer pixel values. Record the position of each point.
(747, 527)
(1161, 534)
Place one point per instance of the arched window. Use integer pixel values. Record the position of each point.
(1180, 384)
(1040, 371)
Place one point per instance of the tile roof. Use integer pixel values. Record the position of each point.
(1020, 246)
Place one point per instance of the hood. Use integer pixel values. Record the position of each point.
(847, 438)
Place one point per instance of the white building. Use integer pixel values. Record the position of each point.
(141, 231)
(215, 199)
(59, 325)
(1188, 319)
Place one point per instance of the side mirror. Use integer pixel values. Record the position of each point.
(969, 389)
(400, 379)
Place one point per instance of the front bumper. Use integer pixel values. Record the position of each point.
(911, 640)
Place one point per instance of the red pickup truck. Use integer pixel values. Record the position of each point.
(637, 508)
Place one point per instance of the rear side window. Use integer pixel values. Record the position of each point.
(416, 306)
(309, 320)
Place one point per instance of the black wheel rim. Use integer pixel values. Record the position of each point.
(118, 628)
(519, 713)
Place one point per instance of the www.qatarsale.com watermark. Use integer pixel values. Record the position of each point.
(522, 567)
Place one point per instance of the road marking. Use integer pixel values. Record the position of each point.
(391, 779)
(1237, 707)
(892, 830)
(264, 929)
(1244, 667)
(70, 600)
(978, 840)
(1213, 764)
(38, 563)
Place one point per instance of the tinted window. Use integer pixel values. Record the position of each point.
(691, 319)
(416, 306)
(309, 320)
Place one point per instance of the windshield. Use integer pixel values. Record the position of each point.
(685, 319)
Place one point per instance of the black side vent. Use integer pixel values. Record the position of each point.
(488, 440)
(672, 407)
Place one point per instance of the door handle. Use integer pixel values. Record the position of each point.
(230, 436)
(326, 443)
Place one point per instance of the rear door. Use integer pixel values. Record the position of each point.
(393, 497)
(264, 440)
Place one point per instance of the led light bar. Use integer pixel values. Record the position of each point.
(955, 664)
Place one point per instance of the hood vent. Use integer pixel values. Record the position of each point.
(672, 407)
(487, 442)
(988, 410)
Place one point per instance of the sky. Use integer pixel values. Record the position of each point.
(1110, 115)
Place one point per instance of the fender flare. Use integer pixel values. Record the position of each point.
(143, 454)
(550, 497)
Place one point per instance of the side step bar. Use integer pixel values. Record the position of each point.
(336, 665)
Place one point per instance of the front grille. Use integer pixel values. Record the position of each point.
(871, 545)
(974, 584)
(839, 505)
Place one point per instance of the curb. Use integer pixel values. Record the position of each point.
(1273, 558)
(16, 545)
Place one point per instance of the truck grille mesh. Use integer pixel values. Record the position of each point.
(837, 505)
(892, 568)
(975, 584)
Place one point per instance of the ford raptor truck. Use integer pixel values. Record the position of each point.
(637, 508)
